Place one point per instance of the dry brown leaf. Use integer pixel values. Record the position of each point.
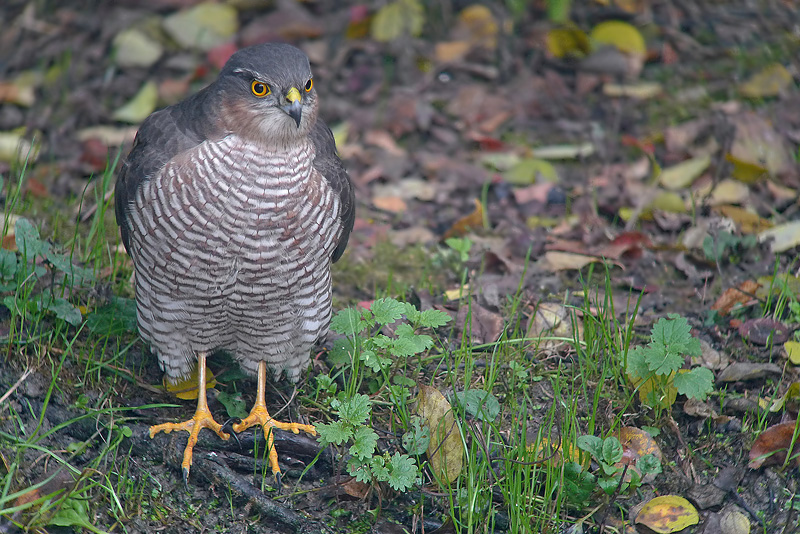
(746, 292)
(467, 223)
(446, 450)
(393, 204)
(771, 446)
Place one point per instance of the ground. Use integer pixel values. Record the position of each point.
(569, 201)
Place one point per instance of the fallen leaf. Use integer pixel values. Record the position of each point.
(479, 324)
(639, 91)
(583, 150)
(739, 371)
(668, 513)
(203, 26)
(764, 330)
(734, 296)
(567, 41)
(771, 446)
(783, 237)
(392, 204)
(450, 51)
(734, 522)
(772, 80)
(747, 221)
(186, 388)
(758, 143)
(108, 135)
(684, 173)
(792, 349)
(14, 148)
(17, 93)
(620, 34)
(467, 223)
(791, 395)
(477, 26)
(397, 19)
(726, 192)
(530, 170)
(134, 48)
(140, 106)
(446, 450)
(555, 260)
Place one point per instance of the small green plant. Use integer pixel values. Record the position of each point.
(608, 454)
(365, 353)
(398, 470)
(727, 246)
(655, 368)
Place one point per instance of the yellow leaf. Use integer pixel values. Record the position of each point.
(556, 260)
(14, 148)
(203, 26)
(527, 170)
(650, 393)
(446, 450)
(477, 24)
(186, 388)
(747, 221)
(727, 192)
(785, 236)
(745, 171)
(140, 106)
(734, 522)
(567, 41)
(621, 35)
(467, 223)
(457, 293)
(792, 392)
(684, 173)
(639, 91)
(792, 349)
(772, 80)
(398, 18)
(669, 201)
(668, 513)
(451, 51)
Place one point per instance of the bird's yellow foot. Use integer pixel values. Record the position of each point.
(260, 416)
(202, 419)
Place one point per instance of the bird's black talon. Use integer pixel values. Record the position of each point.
(185, 478)
(278, 483)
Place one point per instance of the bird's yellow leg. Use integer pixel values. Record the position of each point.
(260, 416)
(202, 419)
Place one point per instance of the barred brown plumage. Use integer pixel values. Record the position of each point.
(232, 205)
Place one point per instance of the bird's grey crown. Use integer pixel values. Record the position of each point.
(271, 62)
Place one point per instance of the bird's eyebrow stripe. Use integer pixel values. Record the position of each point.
(249, 73)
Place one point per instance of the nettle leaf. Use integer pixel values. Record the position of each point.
(348, 322)
(334, 433)
(591, 444)
(380, 341)
(28, 241)
(364, 441)
(649, 464)
(408, 345)
(341, 353)
(637, 364)
(403, 472)
(411, 312)
(660, 360)
(434, 318)
(696, 384)
(374, 361)
(386, 311)
(675, 334)
(378, 466)
(354, 410)
(479, 404)
(359, 470)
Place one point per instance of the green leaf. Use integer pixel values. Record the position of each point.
(61, 308)
(374, 361)
(355, 410)
(479, 404)
(609, 485)
(75, 274)
(612, 450)
(364, 441)
(660, 360)
(411, 312)
(359, 470)
(648, 464)
(386, 311)
(341, 353)
(675, 334)
(348, 322)
(334, 433)
(403, 472)
(73, 513)
(637, 363)
(378, 467)
(433, 319)
(28, 241)
(115, 318)
(697, 383)
(578, 484)
(408, 345)
(591, 444)
(234, 404)
(416, 440)
(8, 264)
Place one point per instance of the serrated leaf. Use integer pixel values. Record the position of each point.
(637, 365)
(386, 311)
(697, 383)
(446, 450)
(364, 441)
(660, 361)
(334, 433)
(348, 322)
(433, 319)
(374, 361)
(479, 404)
(355, 410)
(341, 353)
(416, 440)
(403, 472)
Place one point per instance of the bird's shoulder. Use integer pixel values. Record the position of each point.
(329, 165)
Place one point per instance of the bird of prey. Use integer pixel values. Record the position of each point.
(232, 205)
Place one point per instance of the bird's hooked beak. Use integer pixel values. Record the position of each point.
(294, 108)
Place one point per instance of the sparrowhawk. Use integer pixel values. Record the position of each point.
(232, 205)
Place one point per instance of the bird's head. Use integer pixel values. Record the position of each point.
(267, 94)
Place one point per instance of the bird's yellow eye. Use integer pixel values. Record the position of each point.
(259, 89)
(309, 85)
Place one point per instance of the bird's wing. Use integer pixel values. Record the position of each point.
(161, 137)
(330, 166)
